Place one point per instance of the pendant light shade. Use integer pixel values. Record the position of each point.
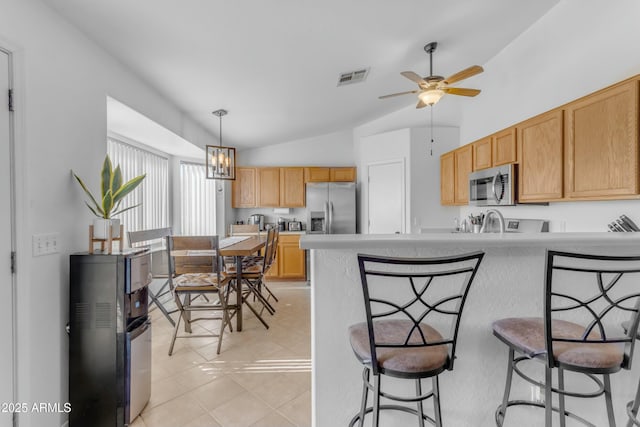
(221, 161)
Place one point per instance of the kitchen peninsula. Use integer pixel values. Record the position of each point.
(509, 283)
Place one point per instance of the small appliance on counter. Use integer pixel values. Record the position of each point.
(294, 226)
(282, 224)
(257, 219)
(623, 224)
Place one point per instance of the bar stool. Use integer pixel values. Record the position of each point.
(632, 406)
(585, 296)
(400, 296)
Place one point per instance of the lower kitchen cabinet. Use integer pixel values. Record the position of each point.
(290, 263)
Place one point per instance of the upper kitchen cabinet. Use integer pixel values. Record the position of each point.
(328, 174)
(447, 179)
(244, 188)
(268, 187)
(602, 143)
(292, 187)
(504, 147)
(342, 174)
(482, 154)
(463, 165)
(317, 174)
(540, 148)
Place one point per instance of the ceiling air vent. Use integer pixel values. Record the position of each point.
(353, 77)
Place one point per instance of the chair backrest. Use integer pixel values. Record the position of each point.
(270, 248)
(209, 263)
(595, 292)
(155, 241)
(417, 291)
(239, 229)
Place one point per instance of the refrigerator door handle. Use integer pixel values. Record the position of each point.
(327, 220)
(330, 217)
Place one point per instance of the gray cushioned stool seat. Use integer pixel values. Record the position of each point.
(527, 336)
(407, 359)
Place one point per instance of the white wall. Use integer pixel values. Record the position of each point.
(422, 172)
(577, 48)
(62, 81)
(426, 210)
(333, 149)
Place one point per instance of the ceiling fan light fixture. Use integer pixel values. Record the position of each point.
(432, 96)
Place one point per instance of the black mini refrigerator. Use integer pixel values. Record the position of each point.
(109, 338)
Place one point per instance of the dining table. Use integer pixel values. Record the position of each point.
(240, 247)
(237, 247)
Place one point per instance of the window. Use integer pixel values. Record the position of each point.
(152, 195)
(198, 200)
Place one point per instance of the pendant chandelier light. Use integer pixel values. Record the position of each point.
(221, 161)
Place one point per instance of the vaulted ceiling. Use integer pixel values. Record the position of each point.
(274, 64)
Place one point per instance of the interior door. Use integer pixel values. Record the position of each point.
(6, 277)
(386, 194)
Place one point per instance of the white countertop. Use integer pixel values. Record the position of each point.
(470, 240)
(264, 233)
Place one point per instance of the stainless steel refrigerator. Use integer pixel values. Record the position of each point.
(331, 208)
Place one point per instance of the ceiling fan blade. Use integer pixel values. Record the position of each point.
(414, 77)
(397, 94)
(461, 91)
(420, 104)
(464, 74)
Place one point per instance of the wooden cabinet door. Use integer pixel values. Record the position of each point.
(540, 151)
(602, 143)
(504, 147)
(243, 194)
(292, 263)
(273, 271)
(342, 174)
(268, 187)
(463, 166)
(317, 174)
(292, 187)
(447, 179)
(482, 154)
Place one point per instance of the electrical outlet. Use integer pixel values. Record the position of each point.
(45, 244)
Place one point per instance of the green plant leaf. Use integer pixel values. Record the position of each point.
(116, 180)
(93, 210)
(128, 187)
(107, 204)
(93, 200)
(107, 172)
(125, 209)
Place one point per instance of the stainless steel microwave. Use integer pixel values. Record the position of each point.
(493, 187)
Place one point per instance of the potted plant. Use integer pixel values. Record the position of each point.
(113, 191)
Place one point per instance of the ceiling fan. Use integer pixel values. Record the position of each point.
(432, 88)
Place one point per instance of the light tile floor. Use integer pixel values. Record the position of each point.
(261, 378)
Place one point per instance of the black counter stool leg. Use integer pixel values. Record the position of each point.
(396, 340)
(599, 287)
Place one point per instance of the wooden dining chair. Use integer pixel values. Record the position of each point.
(244, 229)
(194, 275)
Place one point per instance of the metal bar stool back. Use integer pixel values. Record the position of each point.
(585, 299)
(413, 309)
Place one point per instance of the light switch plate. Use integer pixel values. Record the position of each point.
(45, 244)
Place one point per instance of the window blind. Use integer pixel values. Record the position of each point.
(198, 200)
(152, 195)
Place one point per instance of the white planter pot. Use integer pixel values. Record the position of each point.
(101, 228)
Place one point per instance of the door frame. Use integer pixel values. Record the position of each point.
(403, 196)
(13, 236)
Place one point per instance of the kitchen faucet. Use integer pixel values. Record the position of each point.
(486, 220)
